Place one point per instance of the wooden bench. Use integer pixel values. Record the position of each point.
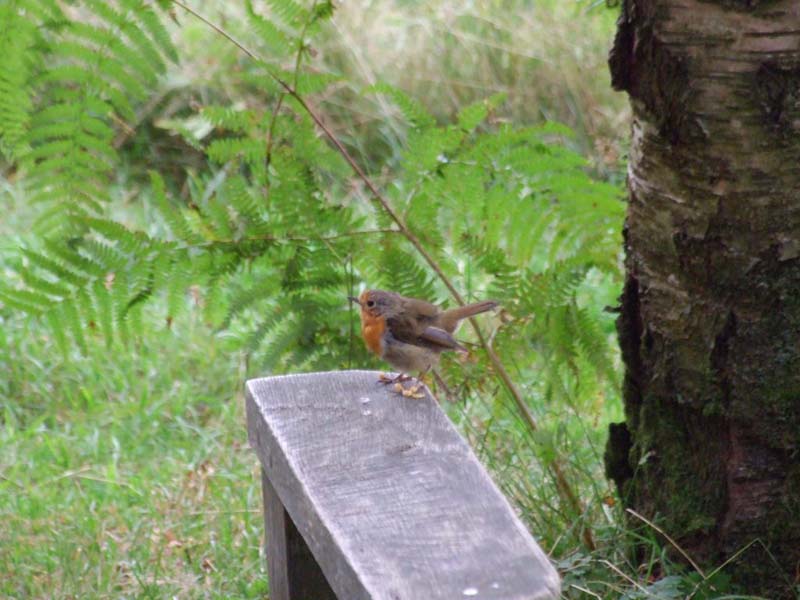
(370, 495)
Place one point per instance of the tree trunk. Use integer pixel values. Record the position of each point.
(710, 315)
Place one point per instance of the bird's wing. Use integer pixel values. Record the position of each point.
(405, 327)
(415, 324)
(412, 329)
(410, 318)
(439, 337)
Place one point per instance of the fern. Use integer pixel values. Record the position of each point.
(288, 12)
(473, 115)
(91, 67)
(172, 216)
(267, 241)
(401, 271)
(244, 298)
(270, 236)
(18, 62)
(412, 110)
(271, 34)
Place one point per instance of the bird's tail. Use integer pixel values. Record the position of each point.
(449, 319)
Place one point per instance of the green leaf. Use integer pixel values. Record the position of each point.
(411, 109)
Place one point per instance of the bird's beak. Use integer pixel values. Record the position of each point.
(354, 299)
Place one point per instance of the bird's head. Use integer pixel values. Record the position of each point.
(377, 303)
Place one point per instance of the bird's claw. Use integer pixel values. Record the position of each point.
(397, 387)
(386, 379)
(413, 391)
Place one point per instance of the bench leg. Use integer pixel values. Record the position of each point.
(293, 572)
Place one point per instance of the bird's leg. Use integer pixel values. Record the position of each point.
(441, 383)
(413, 391)
(386, 380)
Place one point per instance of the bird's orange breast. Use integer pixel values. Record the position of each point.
(372, 329)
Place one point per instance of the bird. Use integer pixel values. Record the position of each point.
(409, 333)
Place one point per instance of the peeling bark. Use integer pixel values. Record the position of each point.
(710, 316)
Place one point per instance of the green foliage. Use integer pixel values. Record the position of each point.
(268, 239)
(67, 79)
(131, 461)
(412, 110)
(18, 61)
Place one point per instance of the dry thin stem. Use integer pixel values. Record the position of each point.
(627, 578)
(562, 484)
(669, 539)
(585, 591)
(271, 131)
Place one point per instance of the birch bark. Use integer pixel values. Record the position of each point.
(710, 315)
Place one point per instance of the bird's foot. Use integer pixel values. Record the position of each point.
(414, 391)
(397, 385)
(410, 392)
(386, 379)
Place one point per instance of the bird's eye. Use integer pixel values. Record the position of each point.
(370, 303)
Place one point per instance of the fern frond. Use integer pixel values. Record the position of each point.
(592, 342)
(312, 83)
(237, 121)
(241, 200)
(429, 149)
(87, 69)
(288, 12)
(411, 109)
(54, 267)
(474, 114)
(279, 42)
(177, 302)
(172, 215)
(104, 254)
(153, 25)
(246, 149)
(85, 306)
(43, 286)
(69, 255)
(18, 63)
(104, 313)
(133, 243)
(488, 257)
(58, 329)
(72, 319)
(243, 299)
(402, 272)
(553, 287)
(25, 300)
(308, 147)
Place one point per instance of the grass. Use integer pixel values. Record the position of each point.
(126, 472)
(548, 56)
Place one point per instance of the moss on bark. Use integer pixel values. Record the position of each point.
(710, 316)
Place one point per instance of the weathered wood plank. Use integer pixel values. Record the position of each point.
(293, 571)
(389, 498)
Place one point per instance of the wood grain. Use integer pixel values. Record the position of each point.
(389, 498)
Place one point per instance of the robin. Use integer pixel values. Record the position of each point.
(409, 333)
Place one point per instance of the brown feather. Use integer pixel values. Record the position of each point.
(413, 323)
(449, 319)
(442, 338)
